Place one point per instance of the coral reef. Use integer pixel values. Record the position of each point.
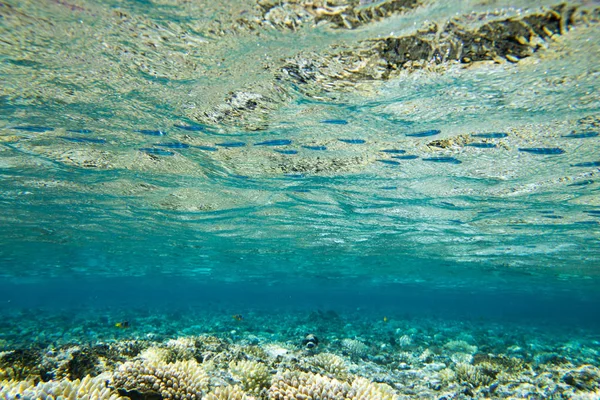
(178, 380)
(87, 388)
(246, 363)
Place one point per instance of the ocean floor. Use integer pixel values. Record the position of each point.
(220, 350)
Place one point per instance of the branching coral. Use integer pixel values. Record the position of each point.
(330, 364)
(228, 393)
(301, 385)
(355, 347)
(85, 389)
(178, 380)
(254, 376)
(474, 376)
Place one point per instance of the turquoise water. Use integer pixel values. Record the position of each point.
(168, 162)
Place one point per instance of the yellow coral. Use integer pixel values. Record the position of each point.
(87, 388)
(178, 380)
(331, 365)
(228, 393)
(254, 376)
(306, 386)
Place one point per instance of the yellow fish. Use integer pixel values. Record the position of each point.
(122, 325)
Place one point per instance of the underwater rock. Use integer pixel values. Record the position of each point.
(585, 378)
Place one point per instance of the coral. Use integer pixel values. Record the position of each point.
(87, 388)
(178, 380)
(228, 393)
(302, 385)
(20, 365)
(306, 386)
(504, 363)
(460, 346)
(330, 364)
(447, 375)
(404, 341)
(355, 347)
(472, 375)
(254, 376)
(363, 388)
(77, 364)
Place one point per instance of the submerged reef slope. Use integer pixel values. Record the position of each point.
(355, 358)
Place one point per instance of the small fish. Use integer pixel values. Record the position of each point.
(431, 132)
(151, 132)
(238, 317)
(490, 211)
(385, 319)
(542, 150)
(287, 151)
(352, 141)
(207, 148)
(157, 152)
(335, 121)
(491, 135)
(83, 140)
(173, 145)
(587, 164)
(393, 151)
(191, 128)
(316, 148)
(552, 216)
(231, 144)
(389, 188)
(276, 142)
(407, 157)
(581, 135)
(301, 191)
(79, 130)
(482, 145)
(122, 325)
(389, 162)
(448, 160)
(582, 183)
(33, 128)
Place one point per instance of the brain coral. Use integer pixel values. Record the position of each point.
(81, 389)
(178, 380)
